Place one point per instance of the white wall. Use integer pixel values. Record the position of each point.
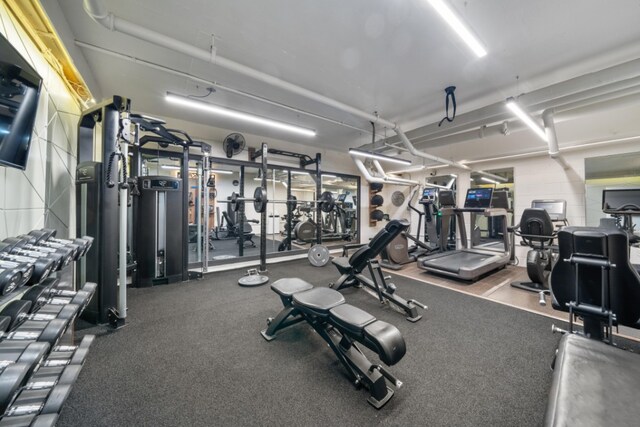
(44, 194)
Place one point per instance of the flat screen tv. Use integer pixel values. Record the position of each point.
(19, 92)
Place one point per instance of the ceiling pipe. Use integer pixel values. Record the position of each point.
(561, 113)
(552, 138)
(618, 77)
(380, 180)
(214, 84)
(97, 10)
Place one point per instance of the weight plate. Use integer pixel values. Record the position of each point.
(260, 200)
(326, 201)
(397, 198)
(233, 202)
(319, 255)
(253, 280)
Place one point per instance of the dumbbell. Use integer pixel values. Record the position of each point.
(14, 249)
(40, 241)
(42, 394)
(47, 299)
(55, 376)
(23, 326)
(49, 235)
(29, 243)
(42, 266)
(24, 267)
(9, 280)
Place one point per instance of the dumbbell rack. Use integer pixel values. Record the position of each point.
(37, 371)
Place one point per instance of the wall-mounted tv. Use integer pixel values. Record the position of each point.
(19, 92)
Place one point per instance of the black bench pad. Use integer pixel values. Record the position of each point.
(594, 384)
(342, 263)
(386, 340)
(290, 286)
(318, 300)
(350, 318)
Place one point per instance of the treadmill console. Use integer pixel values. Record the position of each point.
(556, 208)
(428, 195)
(447, 199)
(620, 201)
(500, 199)
(478, 198)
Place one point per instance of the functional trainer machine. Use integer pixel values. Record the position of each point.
(471, 261)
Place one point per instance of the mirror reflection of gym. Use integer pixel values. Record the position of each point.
(341, 223)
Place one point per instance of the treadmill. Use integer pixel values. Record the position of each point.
(470, 262)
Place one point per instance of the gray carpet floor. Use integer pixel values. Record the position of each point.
(191, 354)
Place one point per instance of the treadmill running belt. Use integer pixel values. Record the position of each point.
(453, 261)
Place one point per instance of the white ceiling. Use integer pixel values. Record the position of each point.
(390, 56)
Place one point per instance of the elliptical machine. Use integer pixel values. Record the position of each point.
(398, 252)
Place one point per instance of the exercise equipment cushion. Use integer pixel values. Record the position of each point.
(288, 287)
(593, 384)
(350, 318)
(318, 301)
(386, 340)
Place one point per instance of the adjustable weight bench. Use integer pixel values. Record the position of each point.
(341, 325)
(351, 270)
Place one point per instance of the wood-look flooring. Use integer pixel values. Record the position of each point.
(497, 287)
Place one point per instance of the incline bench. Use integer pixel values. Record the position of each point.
(341, 325)
(351, 269)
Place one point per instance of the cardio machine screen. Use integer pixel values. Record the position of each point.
(618, 201)
(478, 198)
(557, 209)
(429, 193)
(342, 198)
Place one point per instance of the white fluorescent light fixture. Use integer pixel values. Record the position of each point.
(221, 171)
(453, 175)
(361, 153)
(457, 25)
(326, 175)
(526, 118)
(299, 173)
(234, 114)
(171, 167)
(484, 178)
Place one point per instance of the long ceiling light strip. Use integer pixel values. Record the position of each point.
(526, 118)
(368, 154)
(234, 114)
(457, 25)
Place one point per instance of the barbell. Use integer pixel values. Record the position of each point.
(326, 201)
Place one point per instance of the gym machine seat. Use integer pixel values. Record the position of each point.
(594, 279)
(537, 232)
(341, 325)
(351, 269)
(594, 384)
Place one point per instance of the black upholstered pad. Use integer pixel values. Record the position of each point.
(350, 318)
(386, 340)
(289, 286)
(342, 263)
(318, 300)
(594, 384)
